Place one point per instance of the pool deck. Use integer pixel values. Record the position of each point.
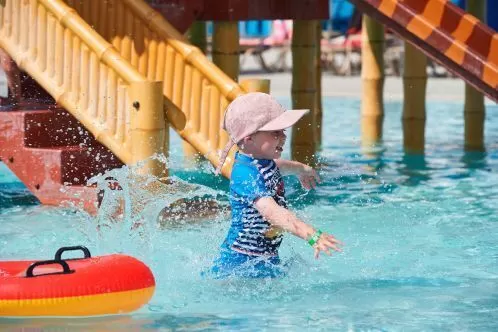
(444, 89)
(441, 89)
(438, 89)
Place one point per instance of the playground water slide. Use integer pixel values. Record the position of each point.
(103, 62)
(447, 34)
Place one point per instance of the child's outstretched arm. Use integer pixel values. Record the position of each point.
(286, 220)
(306, 174)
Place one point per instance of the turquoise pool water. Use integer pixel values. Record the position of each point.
(420, 237)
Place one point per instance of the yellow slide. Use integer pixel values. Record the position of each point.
(122, 70)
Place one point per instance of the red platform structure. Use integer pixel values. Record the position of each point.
(182, 13)
(53, 155)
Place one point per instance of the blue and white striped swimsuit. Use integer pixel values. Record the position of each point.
(252, 179)
(247, 252)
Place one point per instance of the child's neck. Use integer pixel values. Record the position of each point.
(250, 155)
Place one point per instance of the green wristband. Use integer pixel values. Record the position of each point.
(314, 238)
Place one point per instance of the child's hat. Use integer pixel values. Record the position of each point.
(252, 112)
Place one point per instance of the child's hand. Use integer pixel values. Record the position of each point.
(308, 177)
(325, 243)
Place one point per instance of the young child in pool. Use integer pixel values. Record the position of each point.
(256, 123)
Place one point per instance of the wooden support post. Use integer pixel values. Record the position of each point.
(226, 47)
(372, 73)
(318, 101)
(474, 109)
(304, 70)
(149, 133)
(414, 85)
(256, 85)
(197, 36)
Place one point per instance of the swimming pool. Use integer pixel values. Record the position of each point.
(420, 235)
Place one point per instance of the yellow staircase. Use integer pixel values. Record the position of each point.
(123, 71)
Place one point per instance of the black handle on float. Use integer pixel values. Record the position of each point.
(58, 254)
(65, 267)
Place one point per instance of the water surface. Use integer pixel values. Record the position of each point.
(420, 236)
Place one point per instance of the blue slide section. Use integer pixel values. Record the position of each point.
(255, 29)
(249, 29)
(492, 14)
(341, 12)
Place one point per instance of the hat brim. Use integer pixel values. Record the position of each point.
(285, 120)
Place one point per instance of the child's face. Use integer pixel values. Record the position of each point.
(265, 144)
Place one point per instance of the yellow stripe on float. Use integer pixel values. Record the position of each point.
(88, 305)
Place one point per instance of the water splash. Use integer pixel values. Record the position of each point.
(134, 206)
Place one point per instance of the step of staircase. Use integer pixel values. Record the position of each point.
(53, 155)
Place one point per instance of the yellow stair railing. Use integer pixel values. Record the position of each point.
(196, 91)
(85, 74)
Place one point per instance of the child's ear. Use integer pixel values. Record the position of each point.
(246, 140)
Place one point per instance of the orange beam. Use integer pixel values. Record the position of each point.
(447, 34)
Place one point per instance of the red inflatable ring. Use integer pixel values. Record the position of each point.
(74, 287)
